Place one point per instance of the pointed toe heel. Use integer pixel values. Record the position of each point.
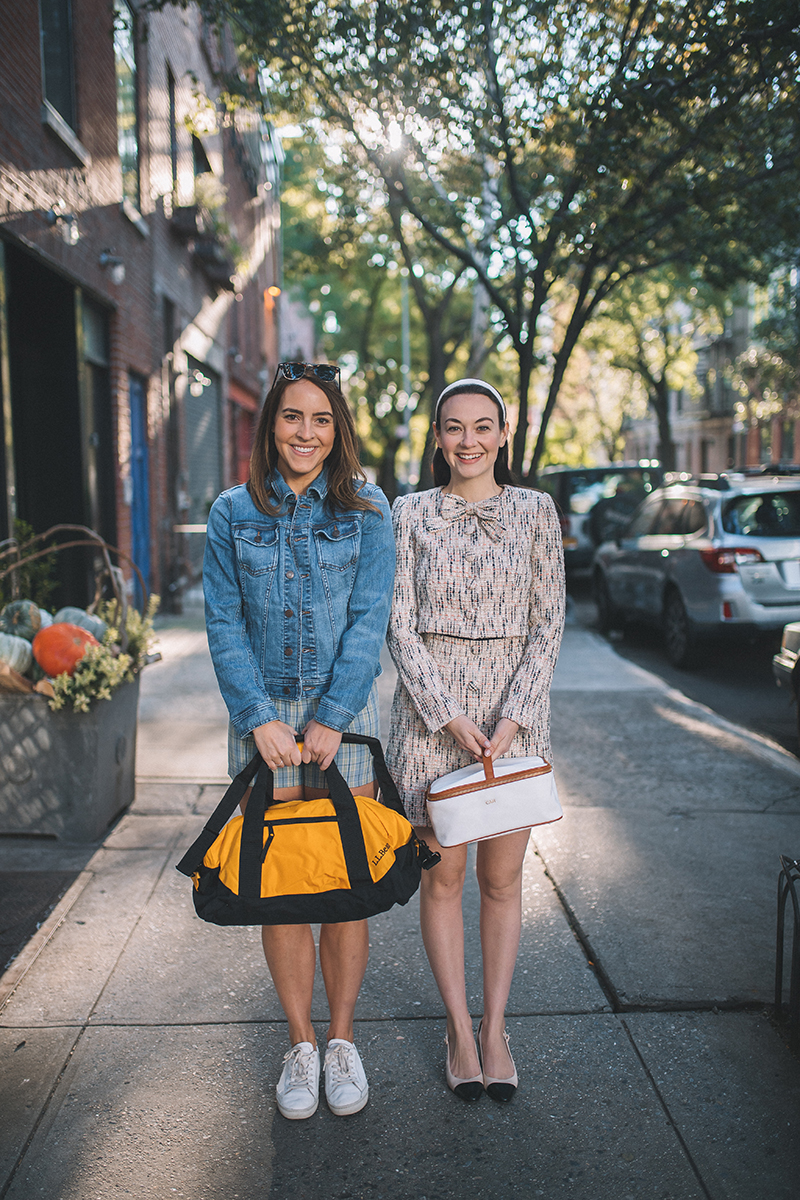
(500, 1090)
(466, 1089)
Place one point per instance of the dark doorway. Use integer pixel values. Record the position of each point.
(45, 401)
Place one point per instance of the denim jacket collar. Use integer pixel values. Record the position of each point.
(283, 493)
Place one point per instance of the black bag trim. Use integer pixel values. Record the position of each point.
(365, 897)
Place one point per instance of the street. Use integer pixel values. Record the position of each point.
(139, 1048)
(736, 682)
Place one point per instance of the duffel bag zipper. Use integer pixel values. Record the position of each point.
(292, 821)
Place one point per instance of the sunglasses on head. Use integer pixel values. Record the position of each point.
(296, 370)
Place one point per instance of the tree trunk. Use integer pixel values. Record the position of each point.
(525, 357)
(659, 402)
(437, 361)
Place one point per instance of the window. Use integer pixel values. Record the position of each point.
(670, 519)
(127, 116)
(57, 63)
(645, 518)
(787, 441)
(771, 514)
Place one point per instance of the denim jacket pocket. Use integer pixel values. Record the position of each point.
(257, 548)
(337, 544)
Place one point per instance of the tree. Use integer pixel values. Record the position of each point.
(650, 327)
(543, 142)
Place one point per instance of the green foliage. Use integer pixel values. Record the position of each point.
(104, 668)
(554, 144)
(95, 677)
(35, 581)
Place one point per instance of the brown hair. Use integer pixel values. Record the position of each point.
(502, 470)
(343, 467)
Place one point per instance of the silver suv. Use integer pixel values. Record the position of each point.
(705, 557)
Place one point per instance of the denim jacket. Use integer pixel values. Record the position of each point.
(297, 604)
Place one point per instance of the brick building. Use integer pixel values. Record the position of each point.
(139, 270)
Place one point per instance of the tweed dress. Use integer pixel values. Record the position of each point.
(476, 626)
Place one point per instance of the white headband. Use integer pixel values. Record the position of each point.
(470, 385)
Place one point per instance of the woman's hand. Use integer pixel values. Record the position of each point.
(276, 744)
(468, 735)
(320, 744)
(503, 736)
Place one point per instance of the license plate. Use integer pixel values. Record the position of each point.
(791, 572)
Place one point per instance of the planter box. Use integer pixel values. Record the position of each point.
(66, 774)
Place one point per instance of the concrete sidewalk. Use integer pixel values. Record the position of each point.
(140, 1047)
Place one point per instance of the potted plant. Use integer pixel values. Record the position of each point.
(69, 686)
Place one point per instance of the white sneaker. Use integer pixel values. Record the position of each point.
(346, 1087)
(298, 1087)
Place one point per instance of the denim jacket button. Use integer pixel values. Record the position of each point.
(290, 574)
(287, 612)
(288, 652)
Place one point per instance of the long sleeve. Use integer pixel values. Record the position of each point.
(415, 666)
(368, 613)
(238, 674)
(531, 682)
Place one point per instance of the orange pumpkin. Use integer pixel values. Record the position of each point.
(61, 647)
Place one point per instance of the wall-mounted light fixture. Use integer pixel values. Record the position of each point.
(110, 261)
(66, 222)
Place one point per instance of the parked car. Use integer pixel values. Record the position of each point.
(594, 503)
(786, 664)
(706, 557)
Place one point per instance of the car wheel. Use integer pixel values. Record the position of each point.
(608, 617)
(678, 639)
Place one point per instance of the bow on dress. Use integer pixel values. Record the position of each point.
(456, 508)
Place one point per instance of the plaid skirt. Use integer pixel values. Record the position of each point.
(354, 762)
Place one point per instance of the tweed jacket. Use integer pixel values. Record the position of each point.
(491, 569)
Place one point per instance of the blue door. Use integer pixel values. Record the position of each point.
(140, 485)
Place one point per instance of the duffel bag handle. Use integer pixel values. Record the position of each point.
(257, 769)
(262, 798)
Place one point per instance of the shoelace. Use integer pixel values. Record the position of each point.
(342, 1064)
(301, 1065)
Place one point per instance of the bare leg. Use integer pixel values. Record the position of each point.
(343, 955)
(442, 924)
(500, 862)
(291, 958)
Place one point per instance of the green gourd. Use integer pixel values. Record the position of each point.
(21, 618)
(78, 616)
(16, 652)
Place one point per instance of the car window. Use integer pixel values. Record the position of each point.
(694, 517)
(644, 520)
(767, 514)
(626, 487)
(670, 519)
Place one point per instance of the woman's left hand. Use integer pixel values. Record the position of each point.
(320, 744)
(503, 736)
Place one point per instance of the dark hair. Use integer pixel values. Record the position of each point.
(502, 470)
(343, 468)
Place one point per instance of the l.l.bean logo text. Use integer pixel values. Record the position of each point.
(383, 850)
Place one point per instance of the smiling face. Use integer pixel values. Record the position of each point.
(304, 433)
(470, 436)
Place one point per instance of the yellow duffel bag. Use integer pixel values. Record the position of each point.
(340, 858)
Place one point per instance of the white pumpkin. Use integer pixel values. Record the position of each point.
(16, 652)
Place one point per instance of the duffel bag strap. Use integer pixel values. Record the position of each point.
(221, 814)
(389, 793)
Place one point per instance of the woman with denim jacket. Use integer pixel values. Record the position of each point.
(298, 574)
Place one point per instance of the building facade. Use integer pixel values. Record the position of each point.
(139, 276)
(719, 428)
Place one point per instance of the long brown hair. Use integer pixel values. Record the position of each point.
(502, 469)
(343, 467)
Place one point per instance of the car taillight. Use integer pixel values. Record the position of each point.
(725, 559)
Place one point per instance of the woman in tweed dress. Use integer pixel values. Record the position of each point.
(297, 578)
(475, 630)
